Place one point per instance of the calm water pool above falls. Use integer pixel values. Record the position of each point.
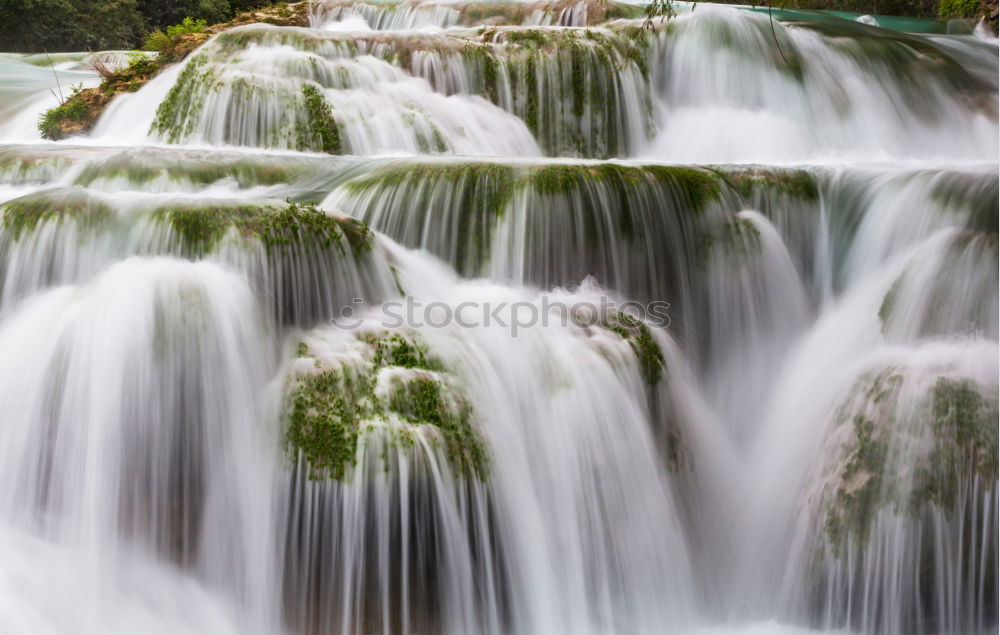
(210, 421)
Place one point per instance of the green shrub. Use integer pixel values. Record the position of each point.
(170, 45)
(71, 109)
(161, 42)
(957, 9)
(157, 41)
(159, 14)
(187, 25)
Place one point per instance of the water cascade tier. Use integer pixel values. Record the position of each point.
(534, 318)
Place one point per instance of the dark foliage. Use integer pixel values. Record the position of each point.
(32, 26)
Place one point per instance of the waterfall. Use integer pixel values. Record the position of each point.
(513, 317)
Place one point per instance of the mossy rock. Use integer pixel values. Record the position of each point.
(22, 216)
(576, 114)
(280, 229)
(480, 192)
(139, 168)
(647, 352)
(80, 111)
(277, 14)
(17, 168)
(964, 427)
(652, 366)
(963, 9)
(797, 184)
(691, 189)
(314, 128)
(697, 187)
(483, 189)
(904, 457)
(177, 114)
(390, 377)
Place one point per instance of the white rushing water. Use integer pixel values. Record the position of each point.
(440, 317)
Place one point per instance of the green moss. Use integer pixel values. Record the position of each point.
(483, 191)
(70, 110)
(799, 184)
(324, 419)
(531, 95)
(695, 187)
(739, 234)
(957, 424)
(358, 234)
(423, 401)
(620, 182)
(564, 179)
(322, 132)
(397, 350)
(506, 12)
(961, 9)
(860, 494)
(735, 238)
(588, 90)
(136, 170)
(964, 428)
(294, 227)
(532, 38)
(647, 351)
(623, 11)
(862, 487)
(556, 179)
(480, 55)
(80, 111)
(178, 113)
(22, 216)
(479, 193)
(327, 408)
(173, 46)
(20, 169)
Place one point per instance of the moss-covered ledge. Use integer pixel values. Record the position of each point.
(384, 387)
(279, 229)
(81, 110)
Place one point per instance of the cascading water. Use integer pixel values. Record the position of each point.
(332, 330)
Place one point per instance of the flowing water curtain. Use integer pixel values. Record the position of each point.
(788, 458)
(336, 15)
(903, 507)
(893, 523)
(431, 505)
(714, 82)
(306, 266)
(131, 434)
(731, 90)
(579, 92)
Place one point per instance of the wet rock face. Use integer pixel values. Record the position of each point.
(389, 386)
(910, 463)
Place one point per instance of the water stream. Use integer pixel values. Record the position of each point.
(440, 317)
